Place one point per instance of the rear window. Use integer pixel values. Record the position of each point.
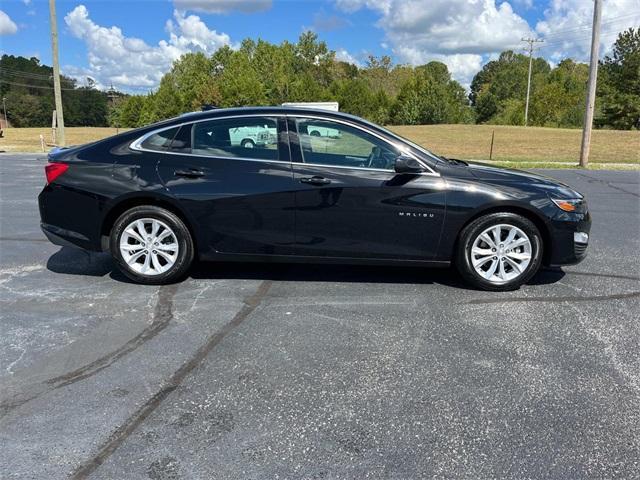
(160, 141)
(181, 143)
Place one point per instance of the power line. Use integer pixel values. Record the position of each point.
(45, 87)
(25, 77)
(12, 71)
(612, 21)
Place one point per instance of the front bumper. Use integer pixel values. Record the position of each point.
(569, 239)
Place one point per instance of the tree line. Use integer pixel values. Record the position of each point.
(27, 87)
(262, 73)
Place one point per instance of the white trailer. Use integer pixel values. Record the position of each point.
(332, 106)
(318, 131)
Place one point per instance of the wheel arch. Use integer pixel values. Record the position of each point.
(129, 202)
(529, 214)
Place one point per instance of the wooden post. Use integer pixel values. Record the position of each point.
(53, 128)
(493, 132)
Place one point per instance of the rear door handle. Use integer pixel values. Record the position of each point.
(315, 180)
(191, 173)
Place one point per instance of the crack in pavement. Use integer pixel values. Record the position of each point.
(132, 423)
(18, 239)
(162, 316)
(605, 275)
(558, 299)
(608, 184)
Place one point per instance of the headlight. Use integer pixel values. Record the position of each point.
(576, 205)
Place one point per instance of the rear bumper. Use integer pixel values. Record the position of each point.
(64, 238)
(68, 218)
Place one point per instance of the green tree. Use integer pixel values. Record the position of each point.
(619, 83)
(431, 96)
(500, 81)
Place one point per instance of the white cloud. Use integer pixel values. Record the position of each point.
(524, 3)
(130, 63)
(566, 27)
(7, 26)
(466, 33)
(223, 6)
(353, 5)
(457, 32)
(344, 56)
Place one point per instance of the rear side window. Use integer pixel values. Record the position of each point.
(160, 141)
(181, 143)
(245, 137)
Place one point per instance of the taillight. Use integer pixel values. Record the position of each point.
(54, 169)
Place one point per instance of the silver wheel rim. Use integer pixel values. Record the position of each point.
(149, 246)
(248, 144)
(501, 253)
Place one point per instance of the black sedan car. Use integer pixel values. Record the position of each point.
(303, 185)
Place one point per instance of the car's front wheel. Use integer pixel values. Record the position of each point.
(499, 251)
(151, 245)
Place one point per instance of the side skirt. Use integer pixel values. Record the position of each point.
(229, 257)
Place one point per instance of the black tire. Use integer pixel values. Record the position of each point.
(185, 252)
(474, 229)
(315, 133)
(248, 143)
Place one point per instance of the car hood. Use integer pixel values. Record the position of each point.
(510, 177)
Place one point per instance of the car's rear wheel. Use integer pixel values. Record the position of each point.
(499, 251)
(151, 245)
(248, 143)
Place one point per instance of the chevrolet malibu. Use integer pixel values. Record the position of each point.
(161, 196)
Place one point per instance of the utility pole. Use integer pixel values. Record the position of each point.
(530, 41)
(112, 95)
(56, 73)
(591, 85)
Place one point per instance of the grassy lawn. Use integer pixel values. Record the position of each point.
(520, 144)
(28, 139)
(512, 144)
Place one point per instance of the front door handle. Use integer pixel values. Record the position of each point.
(191, 173)
(316, 180)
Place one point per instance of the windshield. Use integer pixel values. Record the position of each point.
(414, 145)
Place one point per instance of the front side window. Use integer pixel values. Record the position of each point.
(243, 137)
(324, 142)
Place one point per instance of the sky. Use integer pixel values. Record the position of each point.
(131, 44)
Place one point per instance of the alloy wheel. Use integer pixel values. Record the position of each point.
(501, 253)
(149, 246)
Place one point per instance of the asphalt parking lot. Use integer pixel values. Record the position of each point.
(304, 371)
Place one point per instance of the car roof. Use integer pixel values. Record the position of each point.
(222, 112)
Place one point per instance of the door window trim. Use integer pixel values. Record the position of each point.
(137, 143)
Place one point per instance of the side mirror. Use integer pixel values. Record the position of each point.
(405, 164)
